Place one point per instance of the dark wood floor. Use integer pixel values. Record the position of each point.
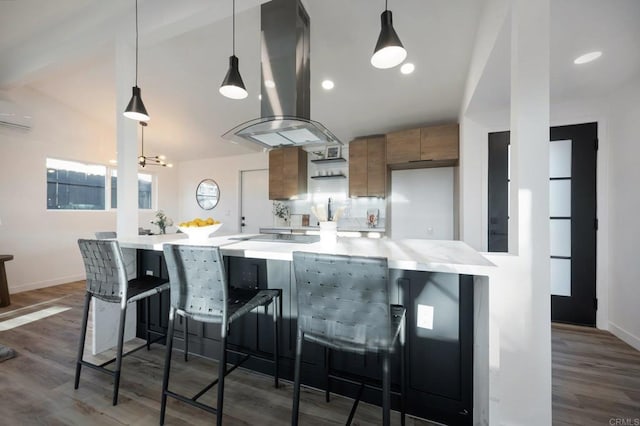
(36, 387)
(596, 378)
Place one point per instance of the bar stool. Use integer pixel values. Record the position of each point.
(200, 291)
(105, 235)
(107, 281)
(343, 304)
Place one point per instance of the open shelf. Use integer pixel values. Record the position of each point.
(329, 160)
(340, 176)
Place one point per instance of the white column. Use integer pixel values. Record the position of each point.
(526, 348)
(127, 134)
(106, 315)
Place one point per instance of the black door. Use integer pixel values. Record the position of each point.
(573, 222)
(577, 302)
(498, 192)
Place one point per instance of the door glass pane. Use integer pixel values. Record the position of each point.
(560, 198)
(560, 236)
(561, 277)
(560, 159)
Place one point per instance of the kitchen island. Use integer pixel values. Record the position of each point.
(434, 280)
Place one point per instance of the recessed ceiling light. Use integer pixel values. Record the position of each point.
(407, 68)
(270, 84)
(327, 84)
(587, 57)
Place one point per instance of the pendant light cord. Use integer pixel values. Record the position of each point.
(137, 47)
(233, 19)
(385, 4)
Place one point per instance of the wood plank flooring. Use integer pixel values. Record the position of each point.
(36, 387)
(596, 380)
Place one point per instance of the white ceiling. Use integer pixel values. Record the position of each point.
(577, 27)
(67, 52)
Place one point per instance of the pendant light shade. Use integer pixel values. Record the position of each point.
(233, 86)
(135, 109)
(389, 51)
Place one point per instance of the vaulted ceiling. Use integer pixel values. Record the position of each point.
(66, 49)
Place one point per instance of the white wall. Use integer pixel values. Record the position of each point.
(624, 295)
(44, 242)
(226, 172)
(519, 320)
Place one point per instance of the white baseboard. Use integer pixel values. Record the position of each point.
(624, 335)
(43, 284)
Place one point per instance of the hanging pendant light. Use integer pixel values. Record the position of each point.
(389, 51)
(232, 86)
(135, 109)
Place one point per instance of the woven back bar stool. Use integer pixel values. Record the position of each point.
(343, 304)
(107, 280)
(200, 292)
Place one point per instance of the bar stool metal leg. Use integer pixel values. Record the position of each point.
(167, 365)
(222, 371)
(83, 335)
(147, 308)
(296, 382)
(403, 379)
(116, 373)
(185, 333)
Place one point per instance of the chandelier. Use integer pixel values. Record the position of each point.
(156, 160)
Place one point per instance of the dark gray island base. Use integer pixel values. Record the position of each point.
(439, 352)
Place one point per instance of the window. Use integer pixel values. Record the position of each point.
(75, 186)
(145, 189)
(72, 185)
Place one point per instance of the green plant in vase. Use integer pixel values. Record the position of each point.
(162, 221)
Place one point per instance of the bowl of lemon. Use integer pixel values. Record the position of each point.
(199, 229)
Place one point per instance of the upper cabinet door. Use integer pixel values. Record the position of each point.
(439, 143)
(358, 168)
(376, 167)
(403, 146)
(368, 167)
(287, 173)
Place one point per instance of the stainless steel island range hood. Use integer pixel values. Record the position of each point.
(285, 84)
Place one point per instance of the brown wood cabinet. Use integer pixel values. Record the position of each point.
(439, 142)
(367, 167)
(417, 147)
(403, 146)
(287, 173)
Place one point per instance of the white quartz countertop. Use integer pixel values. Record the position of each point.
(408, 254)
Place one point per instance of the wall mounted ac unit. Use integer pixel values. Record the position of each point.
(13, 115)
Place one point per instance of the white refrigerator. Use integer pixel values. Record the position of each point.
(422, 203)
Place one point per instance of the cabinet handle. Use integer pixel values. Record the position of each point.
(420, 161)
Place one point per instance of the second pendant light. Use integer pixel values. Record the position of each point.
(232, 86)
(389, 51)
(135, 109)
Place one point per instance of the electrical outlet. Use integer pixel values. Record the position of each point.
(149, 272)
